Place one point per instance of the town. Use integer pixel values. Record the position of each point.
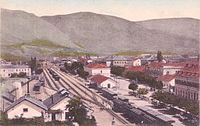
(91, 90)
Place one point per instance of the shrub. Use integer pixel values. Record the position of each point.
(142, 91)
(133, 86)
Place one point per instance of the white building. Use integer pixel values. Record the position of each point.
(122, 61)
(51, 109)
(26, 107)
(7, 70)
(157, 69)
(94, 69)
(168, 82)
(103, 81)
(137, 62)
(56, 105)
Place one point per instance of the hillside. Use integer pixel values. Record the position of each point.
(19, 26)
(183, 27)
(26, 34)
(102, 33)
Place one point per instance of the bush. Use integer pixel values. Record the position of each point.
(21, 74)
(189, 105)
(13, 75)
(144, 78)
(133, 86)
(142, 91)
(117, 70)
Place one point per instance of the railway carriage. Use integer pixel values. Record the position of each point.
(108, 94)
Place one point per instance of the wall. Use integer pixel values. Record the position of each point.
(95, 71)
(137, 62)
(108, 81)
(59, 106)
(33, 110)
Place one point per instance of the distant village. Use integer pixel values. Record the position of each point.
(46, 87)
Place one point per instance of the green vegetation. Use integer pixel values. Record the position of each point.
(44, 43)
(78, 113)
(38, 43)
(188, 105)
(72, 53)
(76, 68)
(117, 70)
(132, 53)
(144, 78)
(133, 86)
(142, 91)
(11, 57)
(159, 56)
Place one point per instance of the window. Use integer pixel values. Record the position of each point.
(25, 109)
(16, 69)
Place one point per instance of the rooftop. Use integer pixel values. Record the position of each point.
(94, 65)
(55, 98)
(29, 99)
(98, 78)
(14, 66)
(166, 78)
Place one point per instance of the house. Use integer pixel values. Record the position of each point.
(56, 105)
(168, 82)
(103, 81)
(187, 81)
(122, 61)
(95, 68)
(136, 62)
(7, 70)
(26, 107)
(156, 69)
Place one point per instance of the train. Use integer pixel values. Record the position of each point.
(54, 75)
(133, 113)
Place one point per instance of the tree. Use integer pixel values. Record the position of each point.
(78, 113)
(117, 70)
(22, 74)
(33, 64)
(159, 56)
(133, 86)
(142, 91)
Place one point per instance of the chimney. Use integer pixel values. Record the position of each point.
(51, 98)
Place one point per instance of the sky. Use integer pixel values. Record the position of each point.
(133, 10)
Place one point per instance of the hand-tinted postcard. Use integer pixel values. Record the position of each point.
(99, 62)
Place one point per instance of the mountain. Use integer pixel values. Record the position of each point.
(24, 33)
(19, 29)
(107, 34)
(183, 27)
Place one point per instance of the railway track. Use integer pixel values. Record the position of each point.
(92, 96)
(64, 85)
(48, 81)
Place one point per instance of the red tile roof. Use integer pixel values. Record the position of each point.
(99, 78)
(191, 69)
(166, 78)
(96, 66)
(136, 68)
